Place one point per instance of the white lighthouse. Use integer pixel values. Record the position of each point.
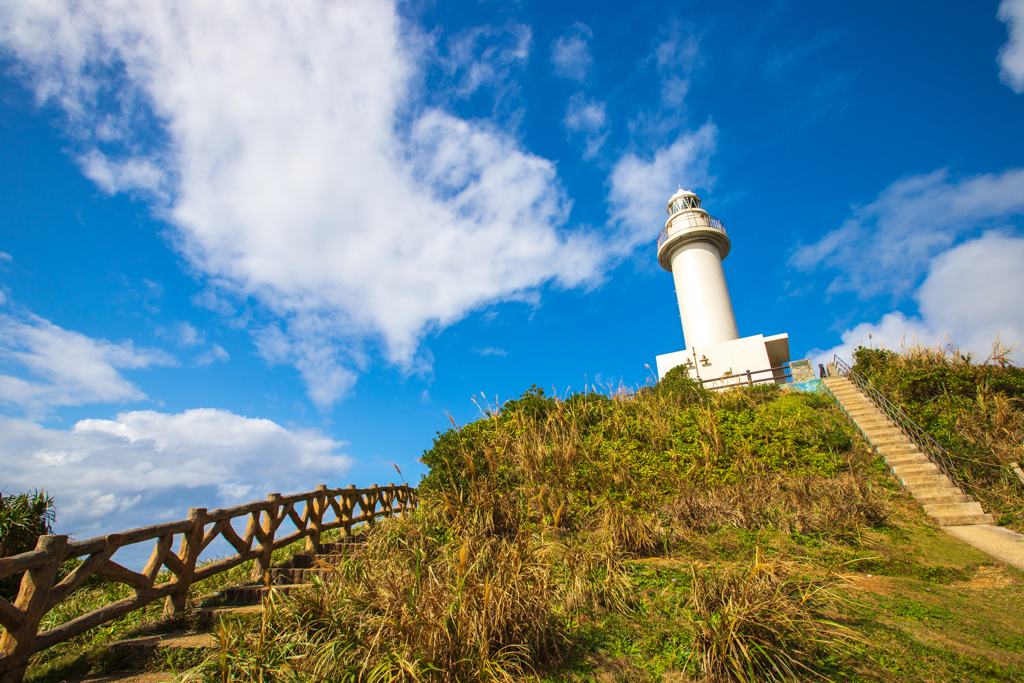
(692, 247)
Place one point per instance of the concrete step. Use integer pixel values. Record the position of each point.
(886, 440)
(940, 497)
(899, 450)
(290, 575)
(179, 640)
(917, 458)
(254, 594)
(964, 520)
(927, 481)
(212, 615)
(946, 489)
(916, 469)
(881, 433)
(311, 561)
(347, 545)
(954, 509)
(875, 419)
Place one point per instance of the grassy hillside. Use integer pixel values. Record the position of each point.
(671, 536)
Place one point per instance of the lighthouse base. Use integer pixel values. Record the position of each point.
(728, 363)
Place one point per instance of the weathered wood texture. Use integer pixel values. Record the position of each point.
(322, 510)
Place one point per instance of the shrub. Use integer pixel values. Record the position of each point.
(24, 517)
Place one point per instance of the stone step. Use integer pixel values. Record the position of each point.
(927, 481)
(954, 509)
(918, 469)
(949, 490)
(965, 520)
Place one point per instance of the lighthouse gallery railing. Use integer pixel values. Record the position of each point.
(692, 221)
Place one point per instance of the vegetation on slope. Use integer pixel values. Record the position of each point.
(673, 535)
(973, 409)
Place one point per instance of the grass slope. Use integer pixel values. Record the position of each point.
(675, 535)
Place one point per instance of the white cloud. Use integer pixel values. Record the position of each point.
(973, 292)
(184, 334)
(1011, 54)
(145, 466)
(301, 168)
(885, 247)
(640, 188)
(491, 351)
(588, 118)
(65, 367)
(486, 56)
(676, 58)
(570, 54)
(215, 353)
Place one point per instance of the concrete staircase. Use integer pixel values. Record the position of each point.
(944, 502)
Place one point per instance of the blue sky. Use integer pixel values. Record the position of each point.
(251, 248)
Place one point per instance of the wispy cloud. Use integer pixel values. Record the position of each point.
(1011, 54)
(215, 353)
(570, 53)
(885, 246)
(589, 119)
(491, 351)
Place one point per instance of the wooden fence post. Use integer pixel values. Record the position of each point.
(188, 553)
(317, 506)
(261, 567)
(17, 645)
(348, 506)
(371, 499)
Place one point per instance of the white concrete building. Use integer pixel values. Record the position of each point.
(692, 247)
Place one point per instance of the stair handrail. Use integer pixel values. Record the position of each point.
(938, 455)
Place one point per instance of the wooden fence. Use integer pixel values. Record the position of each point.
(322, 510)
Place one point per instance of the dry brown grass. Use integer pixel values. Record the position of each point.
(758, 624)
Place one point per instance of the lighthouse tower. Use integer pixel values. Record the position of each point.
(692, 247)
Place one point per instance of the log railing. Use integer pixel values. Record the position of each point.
(321, 510)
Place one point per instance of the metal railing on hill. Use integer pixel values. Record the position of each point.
(322, 510)
(938, 455)
(779, 375)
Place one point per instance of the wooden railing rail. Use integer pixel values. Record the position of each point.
(322, 510)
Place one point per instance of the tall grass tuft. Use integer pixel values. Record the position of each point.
(756, 624)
